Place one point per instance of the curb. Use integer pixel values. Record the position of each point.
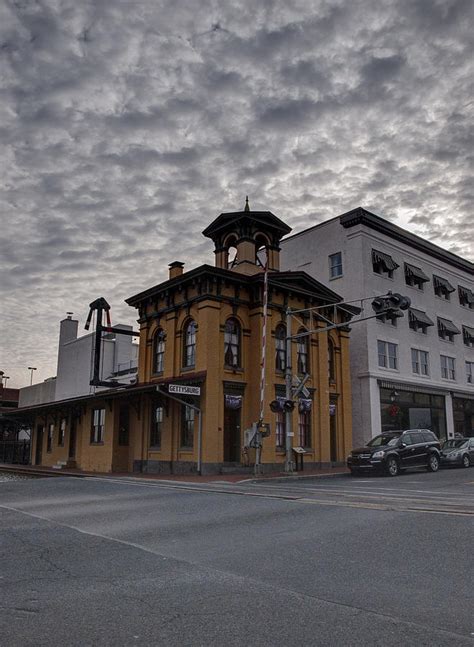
(292, 477)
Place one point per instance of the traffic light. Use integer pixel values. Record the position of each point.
(281, 405)
(390, 305)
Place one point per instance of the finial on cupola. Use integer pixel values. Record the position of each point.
(247, 208)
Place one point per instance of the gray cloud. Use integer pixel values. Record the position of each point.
(126, 132)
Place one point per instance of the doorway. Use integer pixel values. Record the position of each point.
(39, 444)
(232, 440)
(72, 438)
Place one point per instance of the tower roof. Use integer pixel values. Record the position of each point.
(264, 220)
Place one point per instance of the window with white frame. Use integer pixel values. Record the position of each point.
(280, 348)
(388, 354)
(49, 440)
(280, 430)
(159, 355)
(97, 425)
(448, 367)
(420, 362)
(156, 426)
(470, 372)
(335, 265)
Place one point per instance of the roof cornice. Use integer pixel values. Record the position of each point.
(361, 216)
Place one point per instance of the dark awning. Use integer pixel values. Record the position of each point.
(412, 270)
(466, 294)
(419, 317)
(468, 334)
(445, 324)
(439, 282)
(385, 259)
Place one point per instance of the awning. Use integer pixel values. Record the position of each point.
(439, 282)
(468, 334)
(448, 326)
(412, 270)
(419, 317)
(384, 259)
(466, 295)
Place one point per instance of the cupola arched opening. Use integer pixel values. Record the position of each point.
(261, 249)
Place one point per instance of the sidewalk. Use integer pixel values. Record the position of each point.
(40, 471)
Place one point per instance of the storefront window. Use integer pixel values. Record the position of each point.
(463, 410)
(407, 410)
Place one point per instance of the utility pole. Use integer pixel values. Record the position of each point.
(31, 368)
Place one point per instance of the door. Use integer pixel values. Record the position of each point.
(333, 437)
(39, 444)
(72, 438)
(407, 454)
(232, 441)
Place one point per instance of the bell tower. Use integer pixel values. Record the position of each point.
(244, 241)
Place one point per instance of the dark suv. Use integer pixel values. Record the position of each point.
(397, 450)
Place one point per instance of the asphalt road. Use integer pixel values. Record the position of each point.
(338, 561)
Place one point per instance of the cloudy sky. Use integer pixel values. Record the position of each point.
(127, 126)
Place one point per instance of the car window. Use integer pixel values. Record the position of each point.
(417, 437)
(407, 439)
(472, 443)
(428, 437)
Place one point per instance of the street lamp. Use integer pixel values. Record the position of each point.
(32, 368)
(394, 395)
(5, 377)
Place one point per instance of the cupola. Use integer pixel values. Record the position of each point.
(245, 240)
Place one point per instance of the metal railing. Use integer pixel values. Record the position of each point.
(15, 452)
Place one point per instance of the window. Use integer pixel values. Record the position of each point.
(442, 287)
(189, 354)
(419, 362)
(466, 297)
(232, 343)
(62, 432)
(335, 265)
(383, 263)
(302, 354)
(448, 367)
(156, 426)
(331, 362)
(414, 276)
(446, 329)
(187, 427)
(470, 372)
(280, 430)
(49, 440)
(304, 429)
(468, 336)
(388, 355)
(97, 425)
(159, 354)
(419, 321)
(280, 348)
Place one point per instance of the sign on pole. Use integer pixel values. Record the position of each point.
(184, 389)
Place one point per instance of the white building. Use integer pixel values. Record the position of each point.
(416, 371)
(119, 361)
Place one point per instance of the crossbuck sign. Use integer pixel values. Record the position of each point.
(184, 389)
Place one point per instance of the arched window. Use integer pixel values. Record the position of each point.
(303, 354)
(159, 351)
(261, 251)
(232, 343)
(331, 362)
(280, 348)
(189, 348)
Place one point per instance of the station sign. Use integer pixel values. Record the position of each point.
(184, 389)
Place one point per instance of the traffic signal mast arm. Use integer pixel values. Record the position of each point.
(391, 304)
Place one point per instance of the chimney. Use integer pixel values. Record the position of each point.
(68, 329)
(176, 269)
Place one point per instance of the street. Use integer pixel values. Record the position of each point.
(334, 561)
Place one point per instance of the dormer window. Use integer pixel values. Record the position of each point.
(414, 276)
(446, 329)
(383, 263)
(442, 287)
(419, 321)
(466, 297)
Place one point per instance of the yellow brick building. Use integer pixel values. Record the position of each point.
(203, 328)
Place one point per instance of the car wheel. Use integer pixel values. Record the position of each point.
(433, 463)
(392, 466)
(465, 461)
